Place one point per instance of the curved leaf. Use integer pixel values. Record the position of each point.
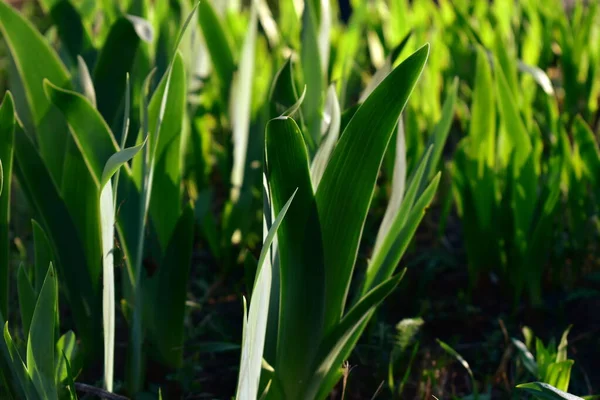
(347, 185)
(35, 61)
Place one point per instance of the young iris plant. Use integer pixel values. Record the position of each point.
(319, 237)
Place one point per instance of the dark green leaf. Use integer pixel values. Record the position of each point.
(347, 185)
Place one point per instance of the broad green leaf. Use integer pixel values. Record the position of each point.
(218, 46)
(43, 196)
(168, 300)
(347, 185)
(27, 299)
(35, 61)
(334, 343)
(165, 204)
(40, 345)
(90, 132)
(544, 391)
(319, 163)
(115, 61)
(7, 128)
(301, 271)
(240, 106)
(255, 325)
(66, 348)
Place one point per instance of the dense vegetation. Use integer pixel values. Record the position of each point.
(299, 199)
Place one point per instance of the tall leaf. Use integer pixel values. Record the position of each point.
(35, 61)
(346, 189)
(7, 128)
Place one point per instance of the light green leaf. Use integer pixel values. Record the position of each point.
(66, 348)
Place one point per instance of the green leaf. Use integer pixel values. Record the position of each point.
(558, 374)
(115, 61)
(218, 46)
(43, 255)
(441, 131)
(72, 32)
(312, 72)
(561, 354)
(168, 300)
(118, 160)
(398, 185)
(526, 357)
(27, 299)
(458, 357)
(85, 81)
(240, 106)
(90, 132)
(255, 326)
(587, 148)
(66, 348)
(40, 345)
(44, 198)
(544, 391)
(7, 128)
(21, 380)
(283, 92)
(513, 124)
(399, 237)
(301, 271)
(335, 341)
(347, 185)
(385, 69)
(35, 61)
(165, 204)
